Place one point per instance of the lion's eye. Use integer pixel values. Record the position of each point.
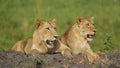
(48, 28)
(88, 24)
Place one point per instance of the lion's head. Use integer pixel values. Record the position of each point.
(86, 27)
(46, 31)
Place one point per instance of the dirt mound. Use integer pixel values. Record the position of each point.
(11, 59)
(114, 59)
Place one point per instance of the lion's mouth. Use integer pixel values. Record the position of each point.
(56, 45)
(49, 42)
(90, 37)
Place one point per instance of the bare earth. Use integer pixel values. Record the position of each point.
(11, 59)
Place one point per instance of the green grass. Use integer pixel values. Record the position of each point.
(17, 18)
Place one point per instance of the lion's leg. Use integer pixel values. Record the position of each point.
(76, 51)
(18, 47)
(91, 55)
(38, 48)
(67, 53)
(64, 50)
(35, 52)
(27, 49)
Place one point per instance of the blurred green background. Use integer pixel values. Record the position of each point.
(17, 19)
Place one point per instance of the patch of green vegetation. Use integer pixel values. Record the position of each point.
(108, 45)
(17, 18)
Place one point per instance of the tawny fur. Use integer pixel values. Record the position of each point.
(77, 38)
(37, 44)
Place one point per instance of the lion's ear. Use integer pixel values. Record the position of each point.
(91, 19)
(53, 23)
(38, 22)
(79, 19)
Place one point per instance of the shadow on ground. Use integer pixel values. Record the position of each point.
(11, 59)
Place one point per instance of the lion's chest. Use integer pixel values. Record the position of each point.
(83, 46)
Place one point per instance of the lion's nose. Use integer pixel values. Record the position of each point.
(94, 31)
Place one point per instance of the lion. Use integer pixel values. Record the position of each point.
(43, 40)
(77, 38)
